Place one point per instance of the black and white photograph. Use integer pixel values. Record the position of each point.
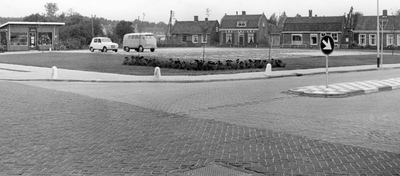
(199, 88)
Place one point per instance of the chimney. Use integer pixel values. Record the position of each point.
(236, 12)
(309, 13)
(206, 19)
(243, 12)
(384, 13)
(196, 18)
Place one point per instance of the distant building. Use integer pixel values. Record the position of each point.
(195, 33)
(244, 30)
(23, 36)
(306, 32)
(365, 31)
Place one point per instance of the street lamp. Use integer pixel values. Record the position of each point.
(378, 61)
(384, 20)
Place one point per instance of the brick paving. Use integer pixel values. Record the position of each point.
(47, 132)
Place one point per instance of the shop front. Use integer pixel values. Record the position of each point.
(24, 36)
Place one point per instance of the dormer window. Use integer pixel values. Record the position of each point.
(241, 23)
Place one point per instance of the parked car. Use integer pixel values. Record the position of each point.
(139, 42)
(102, 44)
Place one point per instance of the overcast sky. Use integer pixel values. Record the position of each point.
(158, 10)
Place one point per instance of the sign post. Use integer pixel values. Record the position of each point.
(327, 45)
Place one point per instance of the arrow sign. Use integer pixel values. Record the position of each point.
(327, 45)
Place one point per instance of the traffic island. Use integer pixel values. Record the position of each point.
(341, 90)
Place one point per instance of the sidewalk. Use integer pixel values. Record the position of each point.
(12, 72)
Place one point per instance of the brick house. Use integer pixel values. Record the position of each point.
(306, 32)
(244, 30)
(365, 31)
(195, 33)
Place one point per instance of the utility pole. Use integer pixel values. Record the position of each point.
(92, 28)
(140, 34)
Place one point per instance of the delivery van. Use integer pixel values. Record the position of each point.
(139, 42)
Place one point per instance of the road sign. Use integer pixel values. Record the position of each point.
(327, 45)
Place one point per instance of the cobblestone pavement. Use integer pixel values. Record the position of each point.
(48, 132)
(156, 128)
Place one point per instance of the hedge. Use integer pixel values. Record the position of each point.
(200, 64)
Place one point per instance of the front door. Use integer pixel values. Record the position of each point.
(32, 40)
(241, 40)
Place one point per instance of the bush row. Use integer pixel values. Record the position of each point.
(200, 64)
(354, 45)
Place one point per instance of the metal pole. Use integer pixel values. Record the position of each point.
(327, 72)
(381, 62)
(377, 33)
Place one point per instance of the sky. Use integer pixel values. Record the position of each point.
(184, 10)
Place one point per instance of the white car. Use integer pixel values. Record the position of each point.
(102, 44)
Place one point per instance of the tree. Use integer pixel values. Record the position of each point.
(298, 15)
(35, 18)
(273, 19)
(122, 28)
(356, 16)
(51, 9)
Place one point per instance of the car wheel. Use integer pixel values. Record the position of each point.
(91, 49)
(105, 49)
(126, 49)
(152, 49)
(141, 49)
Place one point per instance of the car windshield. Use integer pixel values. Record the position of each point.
(106, 40)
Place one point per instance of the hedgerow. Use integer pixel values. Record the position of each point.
(200, 64)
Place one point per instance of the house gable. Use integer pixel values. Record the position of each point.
(231, 21)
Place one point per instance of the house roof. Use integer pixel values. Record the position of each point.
(32, 23)
(230, 21)
(368, 23)
(193, 27)
(334, 23)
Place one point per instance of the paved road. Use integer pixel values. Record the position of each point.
(153, 128)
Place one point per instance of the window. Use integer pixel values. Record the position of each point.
(241, 23)
(195, 38)
(372, 39)
(228, 38)
(398, 39)
(19, 39)
(297, 39)
(314, 39)
(389, 39)
(335, 37)
(184, 38)
(250, 38)
(362, 40)
(45, 38)
(203, 38)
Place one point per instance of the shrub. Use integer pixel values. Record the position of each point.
(200, 64)
(391, 47)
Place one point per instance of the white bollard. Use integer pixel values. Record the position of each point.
(268, 70)
(157, 73)
(54, 74)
